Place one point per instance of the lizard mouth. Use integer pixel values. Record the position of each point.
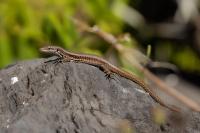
(43, 49)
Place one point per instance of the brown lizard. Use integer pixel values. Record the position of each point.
(108, 68)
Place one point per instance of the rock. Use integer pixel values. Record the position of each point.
(38, 97)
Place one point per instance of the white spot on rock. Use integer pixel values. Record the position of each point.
(125, 91)
(43, 81)
(14, 80)
(21, 67)
(7, 126)
(25, 103)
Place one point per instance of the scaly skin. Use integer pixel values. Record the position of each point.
(108, 68)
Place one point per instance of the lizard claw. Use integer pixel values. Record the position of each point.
(56, 62)
(109, 76)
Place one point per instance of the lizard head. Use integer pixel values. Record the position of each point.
(58, 51)
(49, 49)
(52, 50)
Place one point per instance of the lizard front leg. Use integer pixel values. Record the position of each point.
(59, 60)
(54, 60)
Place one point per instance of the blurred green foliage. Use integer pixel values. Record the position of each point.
(181, 55)
(27, 25)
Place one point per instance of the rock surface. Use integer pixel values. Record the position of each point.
(38, 97)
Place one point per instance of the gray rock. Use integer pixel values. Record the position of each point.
(38, 97)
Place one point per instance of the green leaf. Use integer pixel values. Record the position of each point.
(5, 51)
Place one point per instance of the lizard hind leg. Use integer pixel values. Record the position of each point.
(108, 74)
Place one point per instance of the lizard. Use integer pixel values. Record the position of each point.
(102, 64)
